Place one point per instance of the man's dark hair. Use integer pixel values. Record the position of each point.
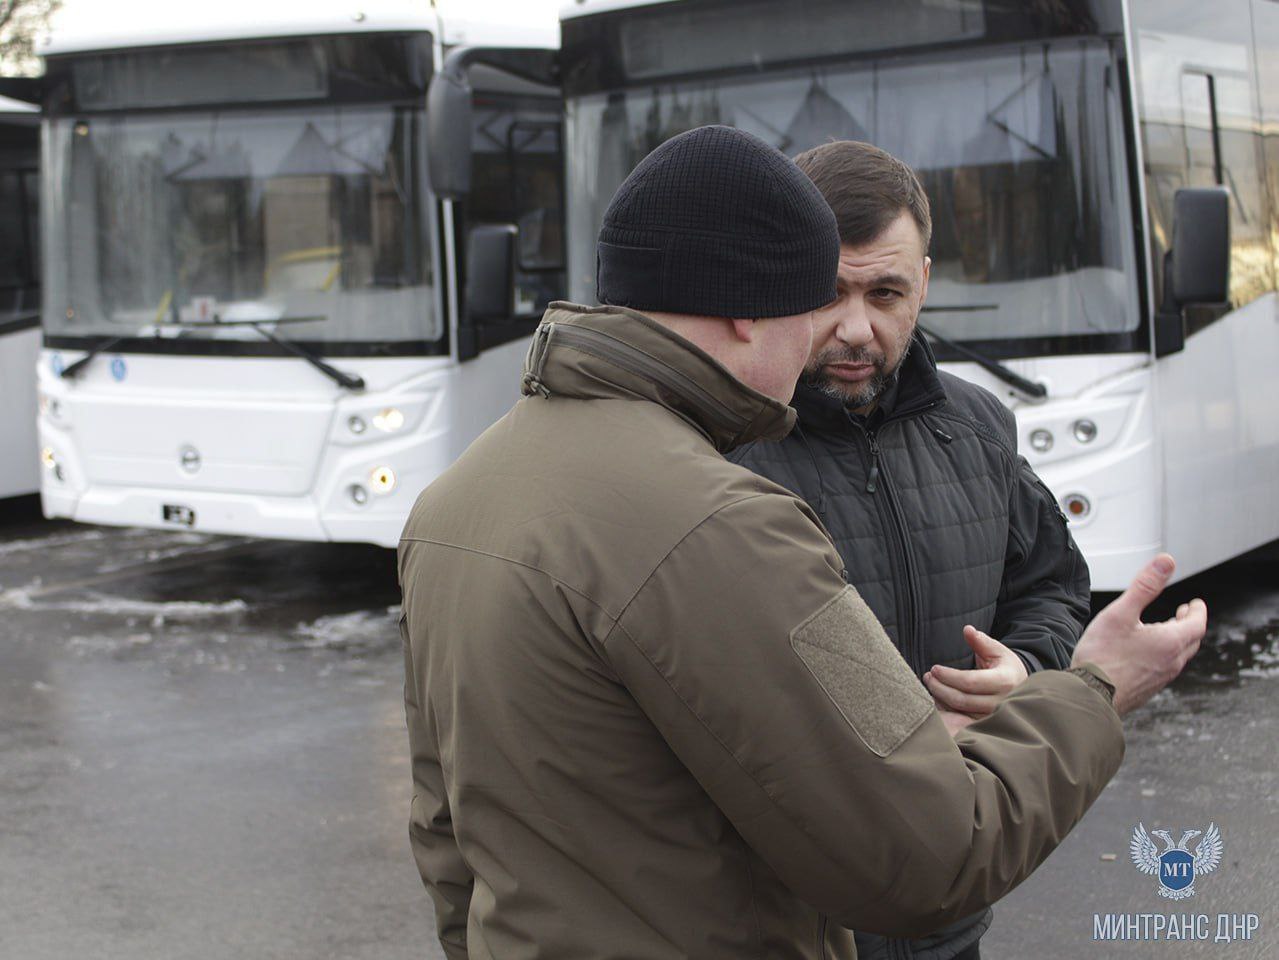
(868, 188)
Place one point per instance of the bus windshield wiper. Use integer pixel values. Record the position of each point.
(94, 350)
(350, 381)
(1036, 391)
(341, 378)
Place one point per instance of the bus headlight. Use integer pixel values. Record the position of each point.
(1078, 507)
(382, 480)
(49, 460)
(359, 496)
(1085, 431)
(50, 406)
(1041, 440)
(356, 425)
(389, 420)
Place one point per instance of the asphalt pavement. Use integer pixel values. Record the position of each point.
(202, 755)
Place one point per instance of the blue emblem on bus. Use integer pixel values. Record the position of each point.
(1176, 868)
(118, 369)
(56, 364)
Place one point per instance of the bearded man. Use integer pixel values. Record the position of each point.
(954, 543)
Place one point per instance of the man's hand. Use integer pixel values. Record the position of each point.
(1142, 658)
(978, 691)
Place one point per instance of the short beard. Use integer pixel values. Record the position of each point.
(859, 396)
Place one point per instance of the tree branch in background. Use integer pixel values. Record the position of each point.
(21, 21)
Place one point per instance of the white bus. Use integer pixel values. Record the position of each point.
(19, 296)
(259, 317)
(1104, 178)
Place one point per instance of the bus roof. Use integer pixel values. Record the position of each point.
(582, 8)
(500, 23)
(80, 26)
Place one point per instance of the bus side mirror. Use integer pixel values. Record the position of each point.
(490, 282)
(1197, 268)
(448, 125)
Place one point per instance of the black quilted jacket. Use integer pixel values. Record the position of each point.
(940, 523)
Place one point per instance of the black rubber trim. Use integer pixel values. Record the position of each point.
(18, 324)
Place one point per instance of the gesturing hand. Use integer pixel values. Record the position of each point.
(977, 692)
(1142, 658)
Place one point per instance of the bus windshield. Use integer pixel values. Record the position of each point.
(1019, 146)
(164, 224)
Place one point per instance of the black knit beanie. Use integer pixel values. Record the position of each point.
(717, 223)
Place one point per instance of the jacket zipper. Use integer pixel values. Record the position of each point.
(640, 364)
(900, 949)
(873, 480)
(909, 611)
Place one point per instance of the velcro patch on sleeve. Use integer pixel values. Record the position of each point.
(849, 654)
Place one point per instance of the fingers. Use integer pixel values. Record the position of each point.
(1145, 587)
(952, 699)
(1184, 631)
(983, 644)
(1191, 626)
(1190, 621)
(972, 681)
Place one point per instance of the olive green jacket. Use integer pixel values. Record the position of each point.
(648, 718)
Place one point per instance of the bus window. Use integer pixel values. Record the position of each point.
(1266, 49)
(19, 267)
(1201, 127)
(537, 193)
(517, 177)
(1221, 135)
(1251, 269)
(1199, 123)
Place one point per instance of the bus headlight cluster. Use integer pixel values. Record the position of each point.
(388, 421)
(49, 460)
(1041, 440)
(1083, 430)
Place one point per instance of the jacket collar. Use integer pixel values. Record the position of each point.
(611, 352)
(918, 388)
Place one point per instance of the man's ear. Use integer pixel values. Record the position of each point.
(743, 329)
(923, 292)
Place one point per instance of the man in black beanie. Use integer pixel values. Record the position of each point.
(948, 535)
(715, 223)
(647, 716)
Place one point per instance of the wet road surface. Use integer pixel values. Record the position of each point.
(202, 749)
(202, 754)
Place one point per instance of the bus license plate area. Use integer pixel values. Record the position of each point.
(178, 514)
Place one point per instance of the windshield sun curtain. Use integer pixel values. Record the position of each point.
(186, 224)
(1020, 147)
